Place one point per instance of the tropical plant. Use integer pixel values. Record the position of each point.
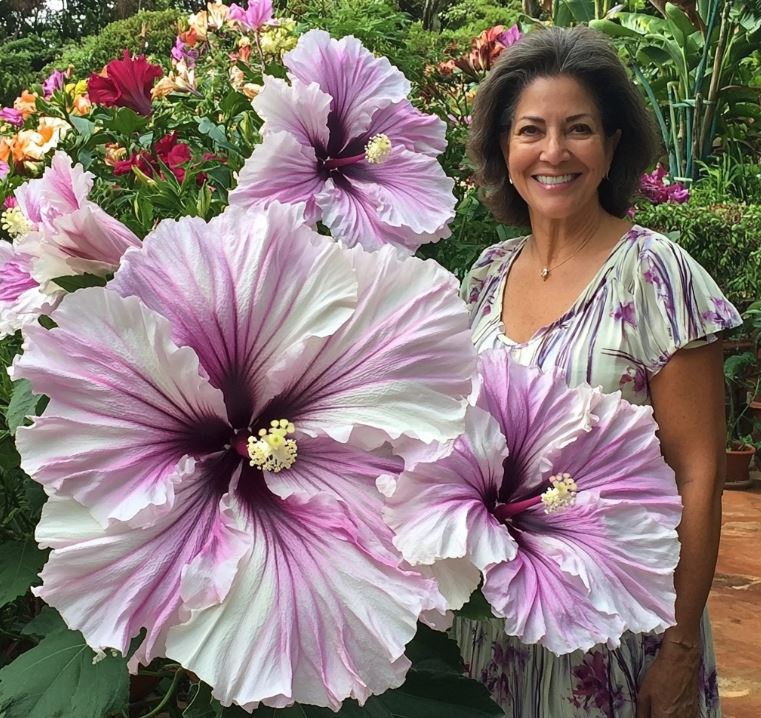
(687, 65)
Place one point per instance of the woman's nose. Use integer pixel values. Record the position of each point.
(554, 149)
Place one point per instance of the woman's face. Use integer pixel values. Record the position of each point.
(556, 150)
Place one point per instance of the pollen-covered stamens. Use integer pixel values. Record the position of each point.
(561, 495)
(272, 451)
(14, 222)
(378, 149)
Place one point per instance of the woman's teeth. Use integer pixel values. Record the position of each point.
(549, 179)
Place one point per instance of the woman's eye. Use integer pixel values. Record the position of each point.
(528, 130)
(582, 129)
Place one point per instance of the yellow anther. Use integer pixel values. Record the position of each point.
(377, 149)
(273, 451)
(14, 222)
(561, 495)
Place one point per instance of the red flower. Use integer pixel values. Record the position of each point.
(126, 83)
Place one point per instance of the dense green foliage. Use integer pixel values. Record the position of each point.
(22, 62)
(150, 33)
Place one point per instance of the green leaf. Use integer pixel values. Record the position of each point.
(201, 704)
(614, 29)
(57, 679)
(82, 125)
(21, 405)
(434, 652)
(45, 623)
(80, 281)
(125, 121)
(425, 695)
(20, 562)
(215, 132)
(477, 607)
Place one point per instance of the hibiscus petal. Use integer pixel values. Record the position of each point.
(281, 169)
(300, 109)
(405, 201)
(441, 509)
(538, 416)
(585, 575)
(246, 291)
(407, 126)
(126, 405)
(401, 365)
(358, 82)
(109, 583)
(344, 471)
(303, 628)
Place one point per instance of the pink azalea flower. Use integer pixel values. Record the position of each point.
(242, 545)
(55, 81)
(127, 83)
(21, 300)
(12, 116)
(258, 14)
(656, 187)
(343, 138)
(561, 499)
(4, 170)
(69, 234)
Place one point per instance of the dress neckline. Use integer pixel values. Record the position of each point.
(580, 300)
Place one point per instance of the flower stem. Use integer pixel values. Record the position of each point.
(169, 694)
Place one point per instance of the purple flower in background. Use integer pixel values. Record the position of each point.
(11, 116)
(21, 301)
(343, 138)
(181, 52)
(4, 170)
(69, 234)
(656, 187)
(560, 498)
(258, 13)
(212, 415)
(510, 37)
(55, 81)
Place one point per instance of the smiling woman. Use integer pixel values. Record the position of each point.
(560, 137)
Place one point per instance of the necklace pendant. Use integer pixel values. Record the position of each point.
(545, 273)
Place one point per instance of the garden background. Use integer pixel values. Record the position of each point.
(697, 63)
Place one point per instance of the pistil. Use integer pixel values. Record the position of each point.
(561, 495)
(376, 152)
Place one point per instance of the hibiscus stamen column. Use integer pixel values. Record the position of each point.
(270, 450)
(376, 152)
(560, 495)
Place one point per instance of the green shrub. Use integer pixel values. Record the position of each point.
(723, 237)
(22, 61)
(147, 33)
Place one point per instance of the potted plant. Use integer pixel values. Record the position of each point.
(742, 380)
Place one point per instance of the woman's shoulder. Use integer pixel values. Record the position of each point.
(488, 265)
(497, 253)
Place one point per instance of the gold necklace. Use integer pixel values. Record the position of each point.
(545, 273)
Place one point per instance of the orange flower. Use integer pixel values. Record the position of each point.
(82, 104)
(26, 104)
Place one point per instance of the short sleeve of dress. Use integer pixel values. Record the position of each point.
(681, 305)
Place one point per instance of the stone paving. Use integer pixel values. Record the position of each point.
(735, 604)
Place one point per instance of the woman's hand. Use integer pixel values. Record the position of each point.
(670, 686)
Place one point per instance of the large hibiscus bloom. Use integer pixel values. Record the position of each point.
(207, 452)
(343, 138)
(69, 234)
(125, 82)
(561, 498)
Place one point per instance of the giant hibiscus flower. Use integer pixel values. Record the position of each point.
(561, 499)
(343, 138)
(206, 450)
(68, 233)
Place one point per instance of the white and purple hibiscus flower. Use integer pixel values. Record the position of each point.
(218, 416)
(68, 234)
(560, 499)
(342, 138)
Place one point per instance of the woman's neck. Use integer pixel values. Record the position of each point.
(553, 240)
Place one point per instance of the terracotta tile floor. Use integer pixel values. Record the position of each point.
(735, 604)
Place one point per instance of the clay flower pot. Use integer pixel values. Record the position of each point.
(738, 467)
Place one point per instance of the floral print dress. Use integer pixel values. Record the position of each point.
(649, 299)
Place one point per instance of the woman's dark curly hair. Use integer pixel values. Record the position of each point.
(586, 56)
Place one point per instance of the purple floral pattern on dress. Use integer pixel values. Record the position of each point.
(722, 313)
(626, 314)
(592, 688)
